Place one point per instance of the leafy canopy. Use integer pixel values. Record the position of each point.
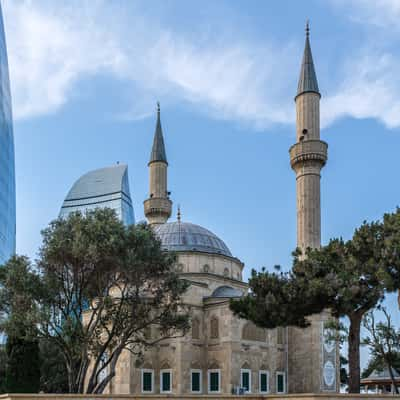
(99, 287)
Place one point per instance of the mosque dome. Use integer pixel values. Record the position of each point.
(184, 236)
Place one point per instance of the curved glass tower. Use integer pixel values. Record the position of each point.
(7, 163)
(105, 187)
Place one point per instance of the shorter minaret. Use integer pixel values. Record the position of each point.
(157, 208)
(309, 154)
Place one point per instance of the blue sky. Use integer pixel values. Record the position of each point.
(86, 75)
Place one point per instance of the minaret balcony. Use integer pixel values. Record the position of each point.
(309, 150)
(157, 206)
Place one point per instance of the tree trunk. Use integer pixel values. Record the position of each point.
(71, 379)
(354, 353)
(392, 378)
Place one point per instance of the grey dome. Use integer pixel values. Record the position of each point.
(226, 291)
(184, 236)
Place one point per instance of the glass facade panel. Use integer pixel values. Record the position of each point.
(7, 167)
(105, 187)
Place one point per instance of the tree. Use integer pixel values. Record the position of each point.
(3, 363)
(23, 367)
(345, 277)
(103, 286)
(277, 299)
(383, 341)
(18, 283)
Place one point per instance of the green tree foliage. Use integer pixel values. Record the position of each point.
(383, 341)
(348, 277)
(96, 290)
(103, 286)
(53, 372)
(18, 286)
(3, 363)
(23, 366)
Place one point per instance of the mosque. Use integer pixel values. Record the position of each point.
(223, 354)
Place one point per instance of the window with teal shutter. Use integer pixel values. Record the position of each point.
(280, 382)
(213, 377)
(196, 382)
(245, 380)
(147, 381)
(166, 381)
(264, 382)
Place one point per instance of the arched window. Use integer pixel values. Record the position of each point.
(226, 272)
(206, 268)
(195, 329)
(214, 328)
(253, 332)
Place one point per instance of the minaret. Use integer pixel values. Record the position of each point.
(157, 208)
(313, 366)
(309, 154)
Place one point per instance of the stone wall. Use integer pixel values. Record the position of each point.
(193, 397)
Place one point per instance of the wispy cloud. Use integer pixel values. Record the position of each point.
(370, 89)
(53, 46)
(369, 83)
(50, 48)
(381, 13)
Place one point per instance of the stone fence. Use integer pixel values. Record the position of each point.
(333, 396)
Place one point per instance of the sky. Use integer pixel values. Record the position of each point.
(86, 76)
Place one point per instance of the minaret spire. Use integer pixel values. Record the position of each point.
(308, 78)
(158, 151)
(157, 207)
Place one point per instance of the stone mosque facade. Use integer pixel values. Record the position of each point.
(223, 354)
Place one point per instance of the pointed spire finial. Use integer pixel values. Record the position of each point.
(308, 77)
(158, 150)
(179, 213)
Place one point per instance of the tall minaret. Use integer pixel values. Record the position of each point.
(157, 208)
(313, 365)
(309, 154)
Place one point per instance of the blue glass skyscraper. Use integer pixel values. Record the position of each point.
(105, 187)
(7, 163)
